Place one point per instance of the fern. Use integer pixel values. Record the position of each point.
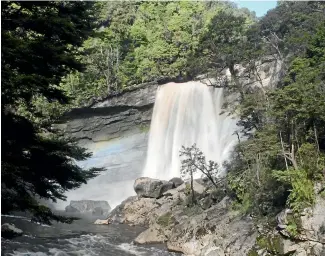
(302, 193)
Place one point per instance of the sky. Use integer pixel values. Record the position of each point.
(260, 7)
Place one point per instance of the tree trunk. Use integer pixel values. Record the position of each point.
(285, 158)
(258, 169)
(192, 189)
(232, 71)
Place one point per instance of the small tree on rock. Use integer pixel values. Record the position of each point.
(195, 161)
(187, 168)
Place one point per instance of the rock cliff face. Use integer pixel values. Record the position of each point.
(96, 208)
(114, 117)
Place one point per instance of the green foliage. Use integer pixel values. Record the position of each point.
(244, 206)
(166, 219)
(311, 161)
(288, 28)
(192, 210)
(27, 40)
(249, 177)
(187, 189)
(225, 32)
(144, 128)
(188, 169)
(271, 243)
(145, 41)
(283, 155)
(302, 188)
(292, 229)
(252, 252)
(39, 42)
(195, 161)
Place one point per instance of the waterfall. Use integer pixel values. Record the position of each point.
(184, 114)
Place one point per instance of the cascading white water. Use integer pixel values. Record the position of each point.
(184, 114)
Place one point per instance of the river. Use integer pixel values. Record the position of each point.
(80, 238)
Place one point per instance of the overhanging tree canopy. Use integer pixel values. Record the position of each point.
(39, 40)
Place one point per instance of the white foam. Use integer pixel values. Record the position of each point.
(130, 248)
(26, 219)
(27, 253)
(14, 216)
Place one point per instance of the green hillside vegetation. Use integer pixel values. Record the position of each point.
(142, 42)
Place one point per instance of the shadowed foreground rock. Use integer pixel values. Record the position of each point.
(10, 231)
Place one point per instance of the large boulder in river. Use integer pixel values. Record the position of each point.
(101, 222)
(10, 231)
(97, 208)
(152, 188)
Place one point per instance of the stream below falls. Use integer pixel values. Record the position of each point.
(80, 238)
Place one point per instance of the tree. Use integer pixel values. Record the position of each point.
(145, 41)
(287, 29)
(187, 168)
(196, 159)
(284, 154)
(100, 75)
(39, 42)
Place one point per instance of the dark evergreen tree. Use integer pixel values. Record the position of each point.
(39, 41)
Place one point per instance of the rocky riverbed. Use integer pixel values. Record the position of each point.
(211, 227)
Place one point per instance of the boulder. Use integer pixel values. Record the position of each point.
(214, 197)
(318, 249)
(150, 236)
(282, 219)
(133, 211)
(10, 231)
(206, 202)
(199, 190)
(214, 251)
(97, 208)
(101, 222)
(176, 182)
(286, 246)
(313, 221)
(117, 215)
(138, 212)
(151, 188)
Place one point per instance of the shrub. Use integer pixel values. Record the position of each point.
(302, 193)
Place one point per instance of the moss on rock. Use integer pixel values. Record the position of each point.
(165, 219)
